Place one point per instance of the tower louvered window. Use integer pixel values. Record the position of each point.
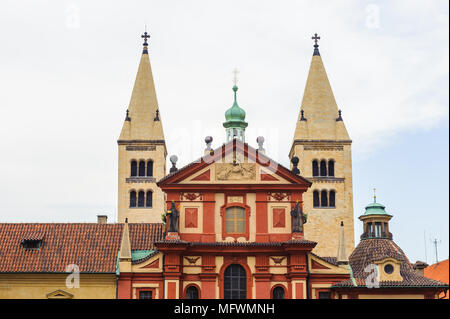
(149, 199)
(141, 168)
(316, 199)
(133, 168)
(150, 168)
(324, 199)
(323, 168)
(141, 199)
(332, 199)
(331, 168)
(132, 199)
(315, 168)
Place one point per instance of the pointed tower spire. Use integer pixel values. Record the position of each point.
(341, 254)
(125, 249)
(318, 105)
(323, 148)
(142, 150)
(143, 108)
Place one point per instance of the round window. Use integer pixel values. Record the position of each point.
(389, 269)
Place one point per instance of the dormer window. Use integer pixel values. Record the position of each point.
(31, 244)
(32, 240)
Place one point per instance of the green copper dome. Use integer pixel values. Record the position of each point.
(375, 208)
(235, 116)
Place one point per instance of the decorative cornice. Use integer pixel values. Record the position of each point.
(155, 142)
(138, 179)
(327, 179)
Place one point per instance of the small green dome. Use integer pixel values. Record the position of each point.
(235, 116)
(375, 209)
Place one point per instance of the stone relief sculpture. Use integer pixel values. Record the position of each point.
(239, 171)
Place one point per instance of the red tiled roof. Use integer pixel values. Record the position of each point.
(370, 250)
(438, 271)
(93, 247)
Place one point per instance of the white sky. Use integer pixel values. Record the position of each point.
(67, 69)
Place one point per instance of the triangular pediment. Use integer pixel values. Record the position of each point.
(59, 294)
(235, 163)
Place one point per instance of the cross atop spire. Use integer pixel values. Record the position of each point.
(316, 38)
(145, 36)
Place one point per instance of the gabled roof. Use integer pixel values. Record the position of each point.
(226, 149)
(92, 247)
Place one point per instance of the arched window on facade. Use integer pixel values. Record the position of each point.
(149, 199)
(324, 198)
(235, 220)
(235, 282)
(149, 168)
(316, 199)
(133, 168)
(278, 293)
(141, 168)
(332, 199)
(132, 199)
(331, 168)
(192, 292)
(141, 199)
(323, 168)
(315, 168)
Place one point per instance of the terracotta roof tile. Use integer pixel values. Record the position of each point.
(370, 250)
(93, 247)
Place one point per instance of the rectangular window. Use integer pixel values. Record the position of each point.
(324, 295)
(31, 244)
(145, 294)
(235, 220)
(377, 229)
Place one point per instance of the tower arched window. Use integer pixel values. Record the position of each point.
(332, 199)
(149, 199)
(331, 168)
(149, 168)
(315, 168)
(141, 199)
(323, 168)
(141, 168)
(324, 199)
(132, 199)
(278, 293)
(133, 168)
(316, 199)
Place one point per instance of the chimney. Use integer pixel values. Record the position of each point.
(419, 266)
(102, 219)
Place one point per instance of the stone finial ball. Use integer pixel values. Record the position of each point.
(294, 160)
(260, 139)
(208, 139)
(173, 159)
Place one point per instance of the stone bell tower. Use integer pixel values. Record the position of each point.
(322, 144)
(142, 151)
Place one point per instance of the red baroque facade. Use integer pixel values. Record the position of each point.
(234, 235)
